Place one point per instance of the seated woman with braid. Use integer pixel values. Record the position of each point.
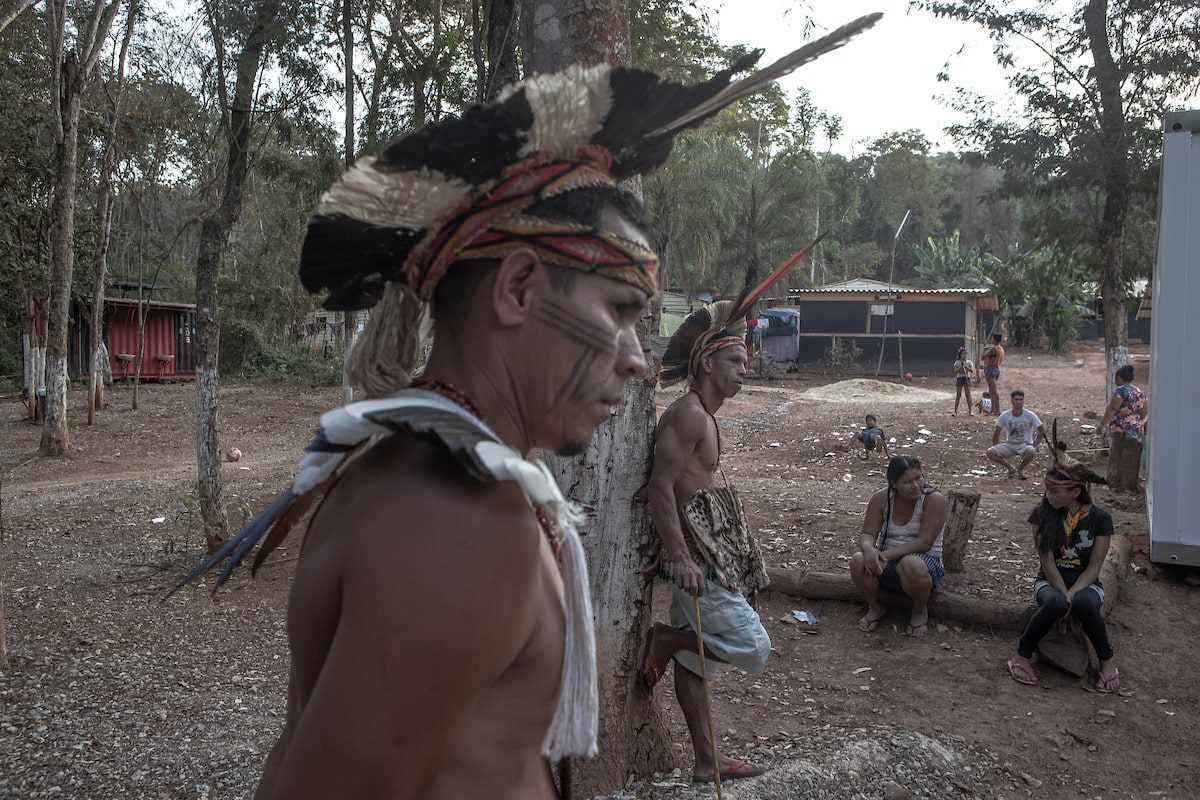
(1071, 537)
(901, 556)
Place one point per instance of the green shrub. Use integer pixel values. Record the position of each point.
(840, 356)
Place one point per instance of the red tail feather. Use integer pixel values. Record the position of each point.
(748, 299)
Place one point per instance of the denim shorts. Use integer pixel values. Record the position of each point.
(890, 579)
(992, 372)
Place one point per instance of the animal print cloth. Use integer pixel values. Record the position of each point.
(717, 533)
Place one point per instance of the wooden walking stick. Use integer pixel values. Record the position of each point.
(712, 730)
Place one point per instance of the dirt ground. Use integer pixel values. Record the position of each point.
(111, 693)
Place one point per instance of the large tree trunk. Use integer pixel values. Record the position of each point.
(349, 321)
(502, 34)
(214, 236)
(72, 69)
(104, 227)
(1111, 233)
(632, 735)
(55, 439)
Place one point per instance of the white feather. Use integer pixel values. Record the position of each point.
(413, 199)
(569, 108)
(789, 63)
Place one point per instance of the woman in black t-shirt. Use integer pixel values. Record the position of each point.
(1072, 538)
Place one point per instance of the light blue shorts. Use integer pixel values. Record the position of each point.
(730, 626)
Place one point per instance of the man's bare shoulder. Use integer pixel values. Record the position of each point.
(411, 502)
(685, 418)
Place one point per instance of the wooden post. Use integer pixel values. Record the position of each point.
(944, 605)
(959, 524)
(1066, 646)
(1124, 463)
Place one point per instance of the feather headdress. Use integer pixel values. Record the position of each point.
(1067, 462)
(433, 196)
(719, 325)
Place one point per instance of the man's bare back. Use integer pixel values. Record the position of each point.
(410, 566)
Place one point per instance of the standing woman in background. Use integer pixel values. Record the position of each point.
(1124, 424)
(993, 357)
(964, 370)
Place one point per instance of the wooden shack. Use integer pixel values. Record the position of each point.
(921, 328)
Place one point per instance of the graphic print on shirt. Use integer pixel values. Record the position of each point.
(1071, 557)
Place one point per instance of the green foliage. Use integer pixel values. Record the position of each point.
(1044, 291)
(944, 263)
(250, 353)
(1054, 141)
(842, 355)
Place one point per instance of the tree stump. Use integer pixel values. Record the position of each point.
(1124, 463)
(960, 522)
(943, 605)
(1066, 646)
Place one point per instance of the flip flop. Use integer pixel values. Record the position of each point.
(739, 769)
(1022, 673)
(649, 672)
(913, 631)
(1098, 684)
(868, 625)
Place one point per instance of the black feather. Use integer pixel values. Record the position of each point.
(643, 102)
(353, 260)
(679, 348)
(476, 147)
(236, 548)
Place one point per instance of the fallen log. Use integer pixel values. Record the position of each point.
(1066, 646)
(943, 605)
(960, 521)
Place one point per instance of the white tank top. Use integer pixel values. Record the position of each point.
(903, 534)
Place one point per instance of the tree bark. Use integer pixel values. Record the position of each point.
(502, 34)
(104, 227)
(349, 320)
(1114, 143)
(12, 11)
(1124, 463)
(1066, 646)
(71, 72)
(214, 236)
(558, 33)
(632, 733)
(943, 605)
(961, 521)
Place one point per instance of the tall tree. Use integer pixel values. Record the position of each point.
(72, 66)
(239, 117)
(556, 33)
(349, 318)
(99, 356)
(1092, 81)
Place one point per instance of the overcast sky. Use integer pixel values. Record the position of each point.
(885, 79)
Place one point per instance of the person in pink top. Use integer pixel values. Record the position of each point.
(900, 547)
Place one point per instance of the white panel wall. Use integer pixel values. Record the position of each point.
(1174, 440)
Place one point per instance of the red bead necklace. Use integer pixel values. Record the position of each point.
(459, 396)
(453, 393)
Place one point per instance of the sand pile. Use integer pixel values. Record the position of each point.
(865, 390)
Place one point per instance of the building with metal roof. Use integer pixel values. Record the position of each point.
(904, 327)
